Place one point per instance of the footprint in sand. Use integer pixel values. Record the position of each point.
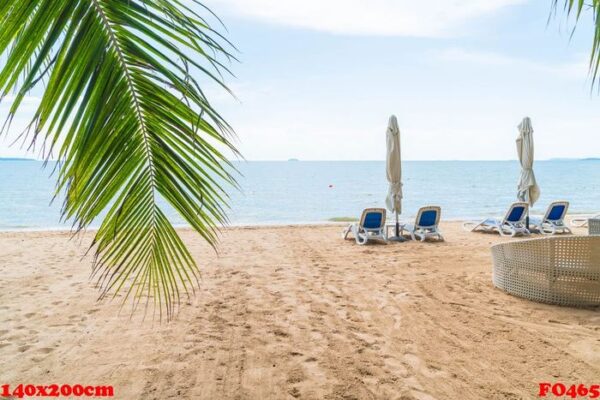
(45, 350)
(23, 349)
(296, 375)
(280, 333)
(429, 370)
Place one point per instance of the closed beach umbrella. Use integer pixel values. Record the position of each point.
(528, 190)
(394, 171)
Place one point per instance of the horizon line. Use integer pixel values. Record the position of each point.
(2, 158)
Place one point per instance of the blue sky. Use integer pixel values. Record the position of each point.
(319, 79)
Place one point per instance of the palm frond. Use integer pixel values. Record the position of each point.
(124, 111)
(579, 8)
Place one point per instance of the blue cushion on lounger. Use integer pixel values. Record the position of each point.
(428, 218)
(372, 221)
(556, 213)
(516, 214)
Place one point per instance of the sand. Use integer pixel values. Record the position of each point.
(294, 312)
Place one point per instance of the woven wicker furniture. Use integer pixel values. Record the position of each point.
(594, 226)
(554, 270)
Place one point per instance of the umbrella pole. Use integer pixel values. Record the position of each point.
(397, 237)
(527, 216)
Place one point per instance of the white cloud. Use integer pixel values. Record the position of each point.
(433, 18)
(577, 69)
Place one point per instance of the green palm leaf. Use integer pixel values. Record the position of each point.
(578, 8)
(123, 111)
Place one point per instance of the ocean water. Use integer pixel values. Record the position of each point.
(298, 192)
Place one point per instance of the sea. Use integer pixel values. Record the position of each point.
(301, 192)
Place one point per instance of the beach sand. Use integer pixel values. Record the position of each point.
(294, 312)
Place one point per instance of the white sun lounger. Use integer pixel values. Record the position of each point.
(553, 220)
(426, 224)
(370, 227)
(512, 224)
(582, 222)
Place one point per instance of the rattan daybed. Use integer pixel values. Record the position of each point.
(594, 226)
(555, 270)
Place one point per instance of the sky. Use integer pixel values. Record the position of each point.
(318, 80)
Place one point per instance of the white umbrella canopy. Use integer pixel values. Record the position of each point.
(528, 189)
(394, 169)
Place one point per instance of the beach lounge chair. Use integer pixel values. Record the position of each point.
(426, 224)
(370, 227)
(512, 224)
(553, 220)
(582, 222)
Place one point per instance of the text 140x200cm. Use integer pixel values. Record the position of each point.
(65, 390)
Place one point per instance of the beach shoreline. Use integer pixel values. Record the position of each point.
(300, 224)
(293, 312)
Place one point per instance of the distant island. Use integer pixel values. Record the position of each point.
(575, 159)
(16, 159)
(293, 159)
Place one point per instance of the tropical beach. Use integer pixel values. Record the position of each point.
(299, 199)
(294, 312)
